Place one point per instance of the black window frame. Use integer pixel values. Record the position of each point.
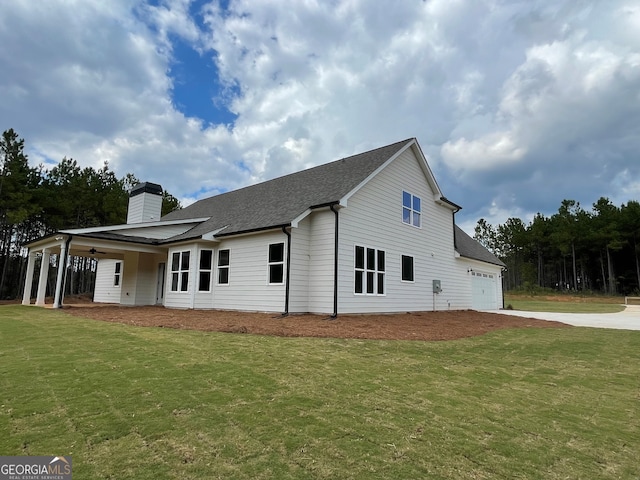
(407, 263)
(117, 274)
(224, 265)
(275, 260)
(369, 271)
(205, 268)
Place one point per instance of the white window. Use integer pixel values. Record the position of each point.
(411, 209)
(180, 271)
(276, 263)
(223, 267)
(117, 274)
(407, 268)
(204, 273)
(369, 271)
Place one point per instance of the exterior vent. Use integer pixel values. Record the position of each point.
(145, 203)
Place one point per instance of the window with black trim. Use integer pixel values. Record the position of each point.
(369, 266)
(276, 263)
(407, 268)
(180, 271)
(223, 267)
(117, 274)
(204, 272)
(411, 209)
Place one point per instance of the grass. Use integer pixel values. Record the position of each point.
(564, 303)
(147, 403)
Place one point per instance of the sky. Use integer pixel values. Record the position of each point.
(517, 105)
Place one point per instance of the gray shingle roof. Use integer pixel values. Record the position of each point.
(277, 202)
(470, 248)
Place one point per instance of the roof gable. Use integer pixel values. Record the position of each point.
(426, 170)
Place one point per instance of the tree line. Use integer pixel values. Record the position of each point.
(37, 201)
(573, 249)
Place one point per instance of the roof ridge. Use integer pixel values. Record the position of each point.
(315, 167)
(362, 153)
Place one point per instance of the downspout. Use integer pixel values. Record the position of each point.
(287, 282)
(502, 270)
(335, 265)
(59, 294)
(453, 219)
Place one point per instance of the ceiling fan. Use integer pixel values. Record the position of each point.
(93, 251)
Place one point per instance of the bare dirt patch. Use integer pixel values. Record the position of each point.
(448, 325)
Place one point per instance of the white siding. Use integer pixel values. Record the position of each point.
(321, 261)
(373, 218)
(129, 278)
(105, 291)
(145, 207)
(300, 259)
(462, 299)
(311, 284)
(248, 287)
(147, 278)
(139, 275)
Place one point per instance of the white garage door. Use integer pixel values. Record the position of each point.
(483, 288)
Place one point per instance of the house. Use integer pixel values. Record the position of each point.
(367, 233)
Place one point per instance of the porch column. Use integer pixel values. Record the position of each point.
(62, 266)
(44, 276)
(28, 281)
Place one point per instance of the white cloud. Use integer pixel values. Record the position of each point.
(98, 90)
(627, 187)
(486, 153)
(507, 99)
(571, 106)
(171, 17)
(347, 73)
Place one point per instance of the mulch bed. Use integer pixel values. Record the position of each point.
(425, 326)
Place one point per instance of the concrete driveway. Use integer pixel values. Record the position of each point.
(629, 319)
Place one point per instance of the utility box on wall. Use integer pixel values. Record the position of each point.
(437, 287)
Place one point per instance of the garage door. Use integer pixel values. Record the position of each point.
(483, 288)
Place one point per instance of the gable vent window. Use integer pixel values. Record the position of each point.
(369, 271)
(276, 263)
(223, 267)
(117, 274)
(204, 277)
(411, 209)
(180, 271)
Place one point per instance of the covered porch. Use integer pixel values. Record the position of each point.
(140, 260)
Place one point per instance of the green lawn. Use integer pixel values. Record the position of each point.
(563, 304)
(152, 403)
